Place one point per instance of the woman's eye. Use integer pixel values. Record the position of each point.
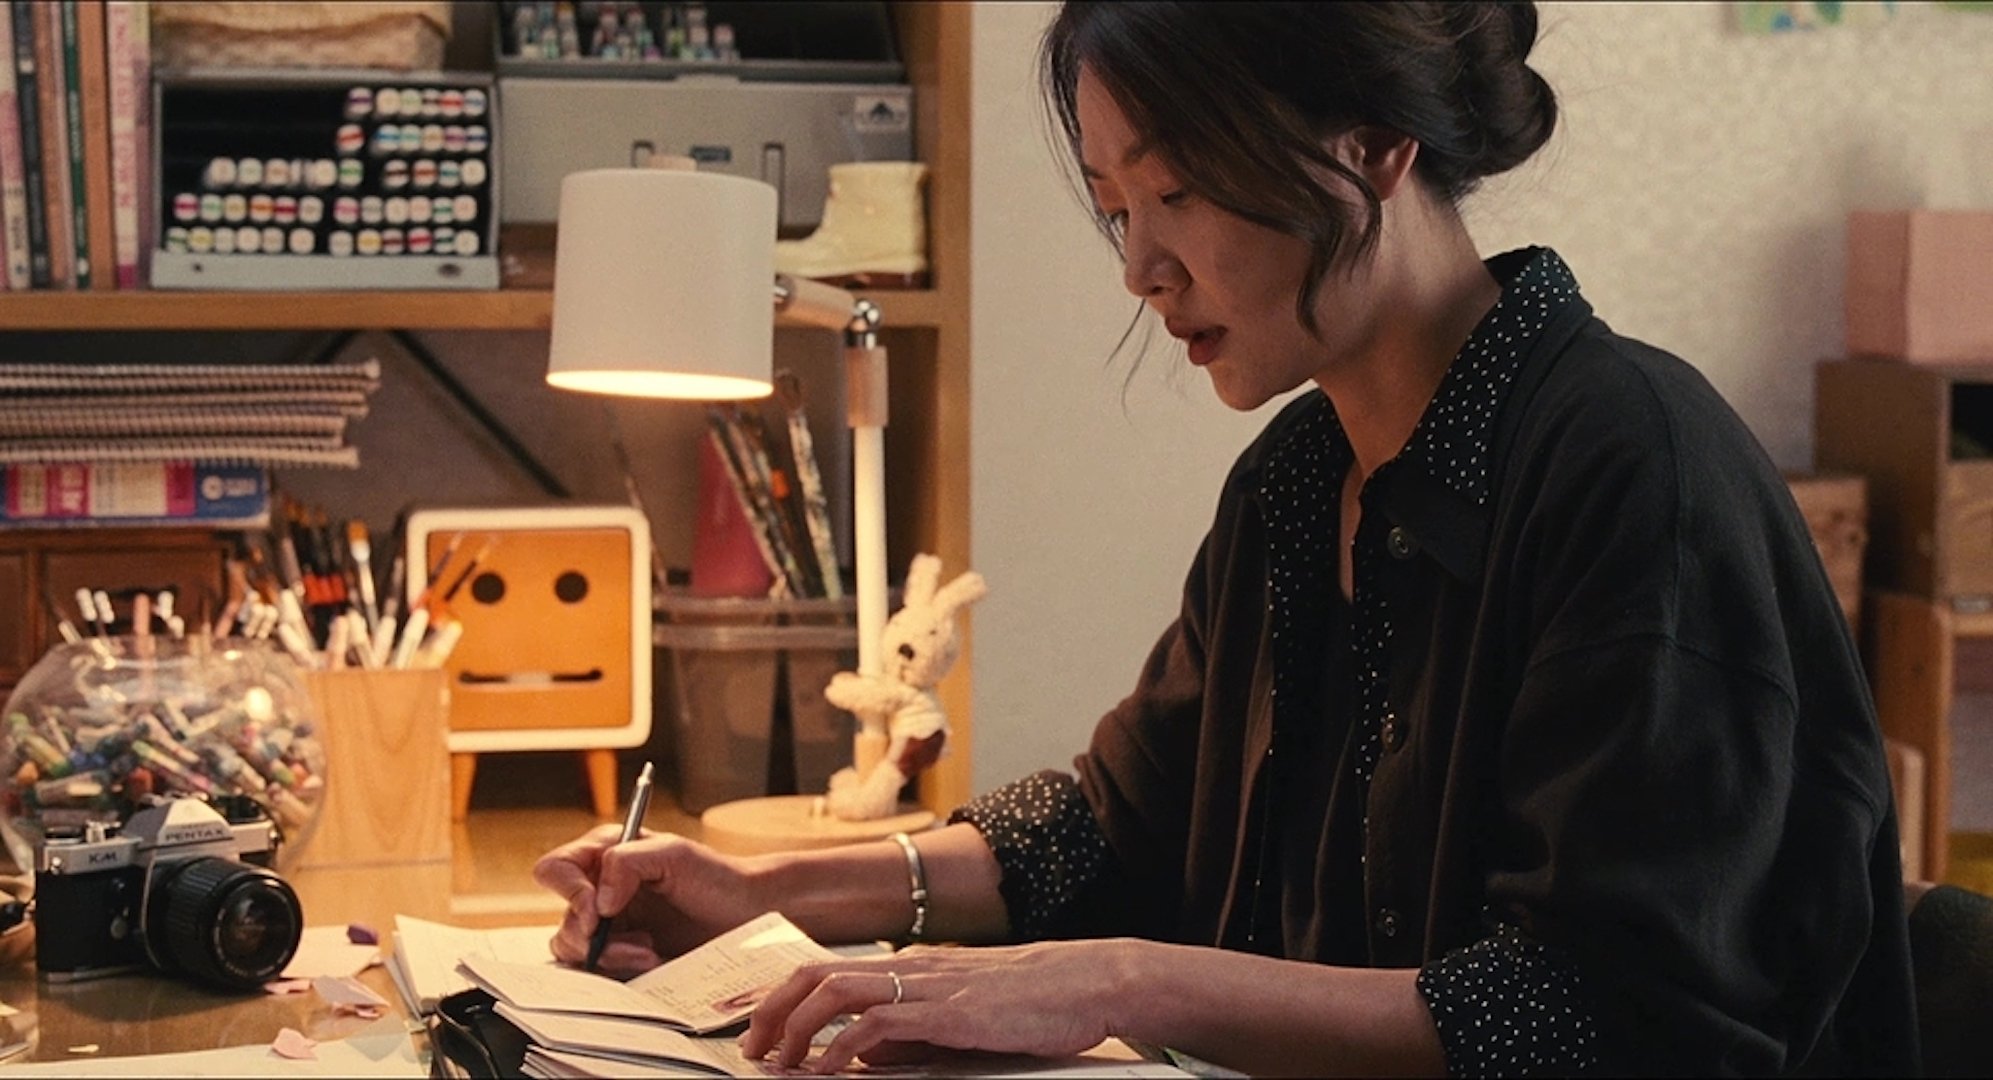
(1176, 198)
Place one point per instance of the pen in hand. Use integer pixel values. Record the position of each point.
(639, 802)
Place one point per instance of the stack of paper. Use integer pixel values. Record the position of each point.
(591, 1026)
(426, 954)
(249, 414)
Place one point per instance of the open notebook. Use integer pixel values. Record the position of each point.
(715, 985)
(424, 962)
(586, 1025)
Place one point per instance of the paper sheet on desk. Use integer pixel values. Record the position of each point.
(384, 1049)
(712, 986)
(325, 950)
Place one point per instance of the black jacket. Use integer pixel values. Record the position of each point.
(1632, 724)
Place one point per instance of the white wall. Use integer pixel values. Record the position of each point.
(1697, 186)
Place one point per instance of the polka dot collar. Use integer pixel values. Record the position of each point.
(1453, 437)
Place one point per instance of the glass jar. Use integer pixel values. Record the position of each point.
(103, 727)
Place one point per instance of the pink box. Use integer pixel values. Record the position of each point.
(1920, 285)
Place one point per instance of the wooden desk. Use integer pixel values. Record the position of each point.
(151, 1014)
(486, 882)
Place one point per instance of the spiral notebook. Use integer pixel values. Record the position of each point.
(233, 414)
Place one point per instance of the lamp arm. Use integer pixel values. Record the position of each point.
(813, 303)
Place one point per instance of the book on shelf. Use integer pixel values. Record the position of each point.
(75, 140)
(51, 96)
(128, 60)
(811, 501)
(27, 105)
(13, 192)
(781, 493)
(90, 158)
(129, 494)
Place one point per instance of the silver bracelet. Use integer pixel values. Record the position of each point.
(917, 885)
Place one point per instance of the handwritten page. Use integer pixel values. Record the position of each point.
(722, 981)
(708, 988)
(426, 955)
(562, 989)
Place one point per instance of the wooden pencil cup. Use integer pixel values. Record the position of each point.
(387, 792)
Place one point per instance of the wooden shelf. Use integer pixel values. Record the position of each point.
(503, 309)
(1972, 624)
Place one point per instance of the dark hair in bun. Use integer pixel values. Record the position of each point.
(1238, 98)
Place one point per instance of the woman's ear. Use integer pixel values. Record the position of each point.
(1381, 155)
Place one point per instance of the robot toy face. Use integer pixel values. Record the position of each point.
(546, 630)
(555, 608)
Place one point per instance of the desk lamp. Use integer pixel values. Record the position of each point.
(663, 281)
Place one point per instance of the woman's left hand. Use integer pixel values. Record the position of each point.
(1049, 999)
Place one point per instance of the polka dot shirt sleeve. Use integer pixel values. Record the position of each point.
(1507, 1006)
(1049, 849)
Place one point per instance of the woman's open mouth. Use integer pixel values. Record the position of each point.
(1203, 345)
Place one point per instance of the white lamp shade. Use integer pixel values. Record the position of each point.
(664, 285)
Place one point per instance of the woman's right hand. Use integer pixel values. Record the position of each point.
(666, 893)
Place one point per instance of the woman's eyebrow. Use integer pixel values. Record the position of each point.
(1135, 153)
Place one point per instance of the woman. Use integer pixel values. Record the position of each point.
(1509, 723)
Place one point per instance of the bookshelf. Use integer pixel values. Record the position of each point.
(927, 330)
(502, 309)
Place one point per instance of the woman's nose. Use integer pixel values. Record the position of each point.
(1149, 268)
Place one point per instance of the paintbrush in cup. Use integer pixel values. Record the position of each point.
(361, 551)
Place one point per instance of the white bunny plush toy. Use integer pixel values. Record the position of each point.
(897, 708)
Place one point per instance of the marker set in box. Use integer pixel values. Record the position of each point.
(279, 181)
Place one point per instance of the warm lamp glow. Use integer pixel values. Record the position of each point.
(681, 386)
(664, 285)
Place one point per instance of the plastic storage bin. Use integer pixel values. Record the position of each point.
(743, 688)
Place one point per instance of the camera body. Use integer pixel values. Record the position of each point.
(180, 889)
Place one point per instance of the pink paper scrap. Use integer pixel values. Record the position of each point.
(347, 992)
(291, 1043)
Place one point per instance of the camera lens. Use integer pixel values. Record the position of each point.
(223, 922)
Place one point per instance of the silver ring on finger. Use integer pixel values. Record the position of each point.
(899, 988)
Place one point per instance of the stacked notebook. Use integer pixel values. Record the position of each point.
(666, 1022)
(168, 444)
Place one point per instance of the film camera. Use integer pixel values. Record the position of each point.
(184, 887)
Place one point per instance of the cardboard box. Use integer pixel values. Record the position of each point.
(1922, 437)
(1835, 506)
(1917, 285)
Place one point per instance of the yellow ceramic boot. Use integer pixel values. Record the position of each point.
(873, 233)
